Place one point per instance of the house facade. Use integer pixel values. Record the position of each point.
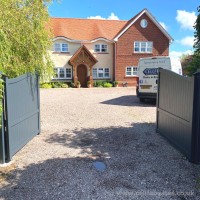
(90, 49)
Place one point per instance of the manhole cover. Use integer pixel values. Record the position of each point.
(100, 166)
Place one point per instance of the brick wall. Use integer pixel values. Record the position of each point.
(125, 55)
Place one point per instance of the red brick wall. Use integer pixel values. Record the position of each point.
(125, 55)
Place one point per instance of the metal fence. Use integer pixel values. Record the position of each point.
(21, 115)
(178, 112)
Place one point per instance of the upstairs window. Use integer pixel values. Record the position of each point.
(57, 47)
(143, 47)
(61, 47)
(100, 48)
(97, 48)
(131, 71)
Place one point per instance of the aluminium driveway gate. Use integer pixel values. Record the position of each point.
(21, 114)
(178, 112)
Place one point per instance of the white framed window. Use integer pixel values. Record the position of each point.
(104, 48)
(94, 72)
(57, 47)
(65, 47)
(106, 72)
(97, 48)
(68, 72)
(143, 47)
(101, 48)
(143, 23)
(62, 73)
(131, 71)
(101, 73)
(61, 47)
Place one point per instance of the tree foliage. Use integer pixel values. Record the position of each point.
(24, 37)
(194, 65)
(197, 33)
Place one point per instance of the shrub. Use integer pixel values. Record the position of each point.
(45, 85)
(64, 85)
(72, 84)
(108, 85)
(115, 83)
(99, 83)
(59, 85)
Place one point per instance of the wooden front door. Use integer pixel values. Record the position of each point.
(82, 75)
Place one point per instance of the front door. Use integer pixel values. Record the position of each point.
(82, 75)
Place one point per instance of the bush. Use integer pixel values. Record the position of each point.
(72, 84)
(115, 83)
(45, 85)
(108, 85)
(99, 83)
(59, 85)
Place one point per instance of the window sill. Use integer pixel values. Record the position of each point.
(142, 52)
(55, 52)
(101, 78)
(101, 53)
(131, 76)
(54, 79)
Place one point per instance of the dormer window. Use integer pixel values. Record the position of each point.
(100, 48)
(61, 47)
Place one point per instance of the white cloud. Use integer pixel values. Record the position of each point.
(111, 17)
(186, 19)
(96, 17)
(163, 25)
(187, 41)
(178, 54)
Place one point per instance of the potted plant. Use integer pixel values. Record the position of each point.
(115, 83)
(89, 85)
(78, 84)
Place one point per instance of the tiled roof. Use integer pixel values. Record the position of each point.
(86, 29)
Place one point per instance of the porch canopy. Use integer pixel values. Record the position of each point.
(82, 57)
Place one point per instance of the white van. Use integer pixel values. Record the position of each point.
(148, 74)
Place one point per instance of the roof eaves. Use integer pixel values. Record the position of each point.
(135, 18)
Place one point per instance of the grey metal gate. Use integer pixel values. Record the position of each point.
(178, 112)
(21, 112)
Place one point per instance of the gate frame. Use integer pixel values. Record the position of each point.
(5, 155)
(195, 121)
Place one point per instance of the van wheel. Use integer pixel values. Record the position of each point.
(142, 99)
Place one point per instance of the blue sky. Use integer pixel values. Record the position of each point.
(177, 16)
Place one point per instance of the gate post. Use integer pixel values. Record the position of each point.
(195, 151)
(38, 101)
(2, 127)
(2, 141)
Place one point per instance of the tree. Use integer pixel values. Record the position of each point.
(197, 33)
(25, 38)
(186, 59)
(194, 65)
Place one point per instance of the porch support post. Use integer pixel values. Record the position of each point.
(75, 73)
(90, 78)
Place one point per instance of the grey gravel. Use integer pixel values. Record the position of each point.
(109, 125)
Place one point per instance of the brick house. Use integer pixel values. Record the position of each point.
(92, 49)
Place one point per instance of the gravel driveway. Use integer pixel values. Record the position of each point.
(81, 126)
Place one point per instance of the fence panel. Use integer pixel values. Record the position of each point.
(175, 109)
(22, 112)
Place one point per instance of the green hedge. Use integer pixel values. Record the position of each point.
(102, 83)
(54, 85)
